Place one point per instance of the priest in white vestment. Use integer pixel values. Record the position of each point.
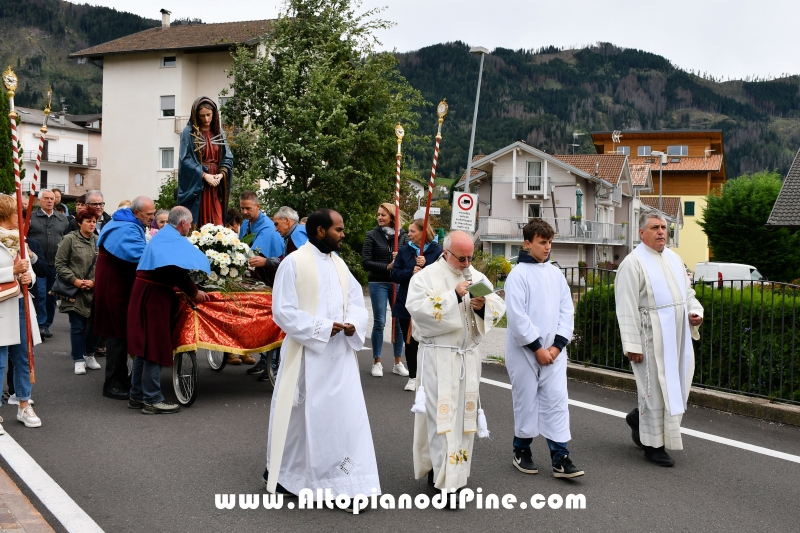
(658, 316)
(449, 325)
(541, 319)
(319, 433)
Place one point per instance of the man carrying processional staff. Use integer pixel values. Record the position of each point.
(658, 316)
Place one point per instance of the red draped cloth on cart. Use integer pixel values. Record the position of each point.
(238, 322)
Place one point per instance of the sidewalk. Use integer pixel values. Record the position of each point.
(17, 514)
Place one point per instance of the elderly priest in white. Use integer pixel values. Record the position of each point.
(449, 324)
(319, 433)
(658, 316)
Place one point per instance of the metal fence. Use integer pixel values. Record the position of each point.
(748, 340)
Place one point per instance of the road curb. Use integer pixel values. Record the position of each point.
(721, 401)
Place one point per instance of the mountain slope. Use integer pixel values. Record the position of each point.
(543, 97)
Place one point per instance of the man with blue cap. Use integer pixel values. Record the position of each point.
(164, 267)
(120, 246)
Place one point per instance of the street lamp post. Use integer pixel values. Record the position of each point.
(663, 157)
(478, 50)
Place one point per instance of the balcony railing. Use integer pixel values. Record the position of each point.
(567, 230)
(613, 197)
(528, 185)
(64, 159)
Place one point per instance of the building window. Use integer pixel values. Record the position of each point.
(534, 175)
(688, 209)
(167, 158)
(223, 100)
(515, 248)
(678, 150)
(168, 106)
(43, 179)
(643, 151)
(624, 150)
(169, 61)
(499, 248)
(533, 210)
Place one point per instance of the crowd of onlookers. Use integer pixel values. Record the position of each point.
(63, 246)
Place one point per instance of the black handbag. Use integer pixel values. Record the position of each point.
(65, 290)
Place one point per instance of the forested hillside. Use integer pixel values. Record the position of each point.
(37, 35)
(542, 97)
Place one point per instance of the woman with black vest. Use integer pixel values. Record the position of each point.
(378, 259)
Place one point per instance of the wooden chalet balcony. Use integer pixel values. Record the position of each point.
(567, 230)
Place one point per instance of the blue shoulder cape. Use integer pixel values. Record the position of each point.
(170, 248)
(299, 236)
(268, 240)
(123, 236)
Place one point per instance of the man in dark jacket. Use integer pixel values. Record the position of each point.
(93, 199)
(48, 226)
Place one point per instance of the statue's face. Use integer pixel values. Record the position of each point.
(205, 115)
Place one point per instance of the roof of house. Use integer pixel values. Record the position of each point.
(671, 205)
(182, 37)
(473, 172)
(661, 134)
(786, 211)
(36, 116)
(712, 163)
(639, 174)
(608, 167)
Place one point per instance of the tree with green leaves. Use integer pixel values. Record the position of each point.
(321, 105)
(6, 158)
(734, 221)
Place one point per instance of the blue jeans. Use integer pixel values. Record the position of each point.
(558, 450)
(51, 298)
(19, 358)
(81, 336)
(146, 381)
(39, 293)
(379, 294)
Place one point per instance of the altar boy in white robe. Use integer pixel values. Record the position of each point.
(658, 316)
(319, 433)
(540, 323)
(449, 324)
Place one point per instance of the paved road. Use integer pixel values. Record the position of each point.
(132, 472)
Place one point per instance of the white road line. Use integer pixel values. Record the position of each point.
(46, 489)
(686, 431)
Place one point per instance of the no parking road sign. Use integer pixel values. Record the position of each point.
(465, 208)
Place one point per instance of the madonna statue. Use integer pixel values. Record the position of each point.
(206, 165)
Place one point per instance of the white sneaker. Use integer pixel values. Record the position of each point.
(28, 417)
(80, 367)
(377, 370)
(400, 369)
(12, 400)
(411, 385)
(91, 362)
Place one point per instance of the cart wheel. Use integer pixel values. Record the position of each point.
(184, 377)
(216, 359)
(273, 363)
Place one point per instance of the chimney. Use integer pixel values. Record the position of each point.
(61, 119)
(596, 168)
(165, 18)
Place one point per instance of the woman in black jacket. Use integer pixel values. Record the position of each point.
(378, 259)
(407, 263)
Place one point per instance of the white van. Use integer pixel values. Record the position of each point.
(713, 272)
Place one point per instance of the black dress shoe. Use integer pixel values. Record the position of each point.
(44, 331)
(632, 419)
(116, 394)
(279, 489)
(658, 456)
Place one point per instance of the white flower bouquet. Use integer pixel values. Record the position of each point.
(227, 254)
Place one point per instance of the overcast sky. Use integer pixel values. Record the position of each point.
(726, 38)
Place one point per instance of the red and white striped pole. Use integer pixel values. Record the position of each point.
(398, 132)
(37, 169)
(10, 82)
(441, 110)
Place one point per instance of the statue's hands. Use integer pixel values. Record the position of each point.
(212, 179)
